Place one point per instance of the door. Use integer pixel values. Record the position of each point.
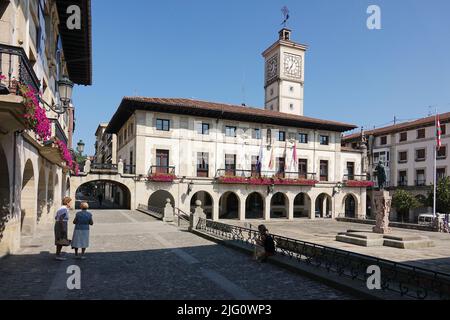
(162, 161)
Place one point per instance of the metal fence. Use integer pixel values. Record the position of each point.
(398, 278)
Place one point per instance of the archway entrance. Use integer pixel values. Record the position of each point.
(279, 206)
(350, 207)
(104, 195)
(28, 201)
(5, 193)
(42, 195)
(323, 206)
(207, 203)
(302, 206)
(229, 206)
(254, 207)
(158, 199)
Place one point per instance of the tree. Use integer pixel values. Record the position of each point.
(442, 196)
(403, 202)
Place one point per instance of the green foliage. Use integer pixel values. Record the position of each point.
(403, 201)
(442, 196)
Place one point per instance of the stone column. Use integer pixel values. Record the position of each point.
(324, 207)
(242, 207)
(215, 213)
(290, 209)
(267, 207)
(168, 212)
(383, 202)
(312, 211)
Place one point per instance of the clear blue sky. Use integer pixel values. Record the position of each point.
(211, 50)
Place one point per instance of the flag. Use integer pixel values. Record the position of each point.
(260, 160)
(438, 133)
(294, 154)
(272, 160)
(285, 158)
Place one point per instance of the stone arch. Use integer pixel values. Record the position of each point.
(207, 203)
(104, 194)
(254, 206)
(28, 200)
(350, 206)
(5, 193)
(158, 199)
(279, 206)
(229, 206)
(302, 205)
(41, 194)
(323, 205)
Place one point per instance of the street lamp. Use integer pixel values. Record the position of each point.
(80, 147)
(65, 88)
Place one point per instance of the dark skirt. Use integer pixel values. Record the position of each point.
(60, 231)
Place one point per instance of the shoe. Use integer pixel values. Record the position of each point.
(61, 259)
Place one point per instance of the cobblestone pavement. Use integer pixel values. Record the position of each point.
(324, 232)
(133, 256)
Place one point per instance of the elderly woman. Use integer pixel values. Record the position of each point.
(83, 221)
(61, 224)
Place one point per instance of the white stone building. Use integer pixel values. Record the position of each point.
(37, 50)
(407, 151)
(239, 161)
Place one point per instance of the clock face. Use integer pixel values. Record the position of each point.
(293, 66)
(272, 68)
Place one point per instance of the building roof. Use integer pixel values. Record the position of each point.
(401, 127)
(77, 44)
(218, 111)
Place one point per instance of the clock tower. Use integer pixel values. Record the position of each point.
(285, 75)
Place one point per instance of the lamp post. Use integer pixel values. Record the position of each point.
(65, 88)
(80, 147)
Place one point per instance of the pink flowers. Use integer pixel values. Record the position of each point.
(295, 182)
(359, 184)
(162, 177)
(65, 153)
(2, 77)
(263, 181)
(233, 180)
(35, 116)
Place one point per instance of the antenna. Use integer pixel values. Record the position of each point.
(285, 12)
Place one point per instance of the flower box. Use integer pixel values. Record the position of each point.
(161, 177)
(233, 180)
(295, 182)
(359, 184)
(260, 181)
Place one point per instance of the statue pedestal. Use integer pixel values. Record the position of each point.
(383, 204)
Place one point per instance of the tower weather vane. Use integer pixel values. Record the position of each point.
(285, 12)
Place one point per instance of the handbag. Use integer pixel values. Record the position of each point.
(64, 242)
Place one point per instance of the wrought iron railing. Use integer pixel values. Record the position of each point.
(397, 278)
(15, 66)
(129, 169)
(104, 167)
(403, 183)
(265, 174)
(154, 170)
(59, 132)
(356, 177)
(153, 211)
(182, 216)
(421, 183)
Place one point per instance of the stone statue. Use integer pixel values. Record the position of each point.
(381, 175)
(383, 204)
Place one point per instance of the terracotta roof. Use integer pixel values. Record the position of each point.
(218, 111)
(401, 127)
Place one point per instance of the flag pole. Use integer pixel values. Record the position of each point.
(435, 166)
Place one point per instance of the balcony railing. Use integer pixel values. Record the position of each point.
(421, 183)
(16, 67)
(58, 130)
(162, 174)
(104, 168)
(228, 176)
(355, 180)
(403, 183)
(129, 169)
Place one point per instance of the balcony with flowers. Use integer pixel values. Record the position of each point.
(265, 178)
(162, 174)
(357, 181)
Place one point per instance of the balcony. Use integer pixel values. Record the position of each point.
(403, 183)
(421, 183)
(104, 168)
(57, 130)
(357, 181)
(265, 178)
(15, 68)
(162, 174)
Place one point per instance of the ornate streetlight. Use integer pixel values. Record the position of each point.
(80, 147)
(65, 87)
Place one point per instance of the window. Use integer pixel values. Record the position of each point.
(230, 131)
(421, 134)
(291, 106)
(420, 155)
(281, 166)
(281, 136)
(291, 89)
(420, 178)
(303, 138)
(202, 164)
(230, 164)
(403, 178)
(162, 125)
(131, 129)
(256, 167)
(269, 136)
(324, 140)
(350, 171)
(323, 170)
(162, 161)
(403, 157)
(203, 128)
(383, 141)
(256, 134)
(442, 153)
(403, 136)
(441, 173)
(443, 129)
(303, 168)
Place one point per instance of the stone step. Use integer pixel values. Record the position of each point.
(414, 244)
(364, 242)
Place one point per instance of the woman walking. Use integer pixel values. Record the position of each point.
(61, 225)
(83, 221)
